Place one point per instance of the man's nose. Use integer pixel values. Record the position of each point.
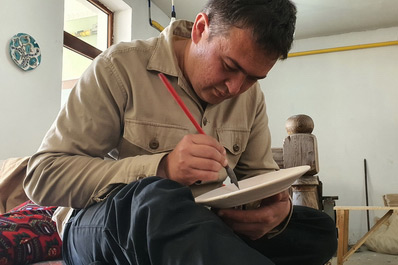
(235, 83)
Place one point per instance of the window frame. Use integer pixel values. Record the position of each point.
(83, 48)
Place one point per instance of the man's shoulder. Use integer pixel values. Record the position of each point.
(132, 47)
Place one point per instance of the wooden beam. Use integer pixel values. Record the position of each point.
(365, 208)
(81, 47)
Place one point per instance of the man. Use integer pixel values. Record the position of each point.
(120, 108)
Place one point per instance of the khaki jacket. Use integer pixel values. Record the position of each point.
(12, 174)
(120, 110)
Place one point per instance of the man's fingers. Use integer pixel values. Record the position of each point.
(207, 152)
(196, 158)
(206, 140)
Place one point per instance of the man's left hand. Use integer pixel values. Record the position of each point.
(255, 223)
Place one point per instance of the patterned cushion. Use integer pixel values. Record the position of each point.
(27, 235)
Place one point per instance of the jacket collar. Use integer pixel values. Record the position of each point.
(163, 58)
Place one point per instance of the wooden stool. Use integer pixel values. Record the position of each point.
(343, 213)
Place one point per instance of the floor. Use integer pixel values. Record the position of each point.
(366, 257)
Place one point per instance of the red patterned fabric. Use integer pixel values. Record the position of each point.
(27, 235)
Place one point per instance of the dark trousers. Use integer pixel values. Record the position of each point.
(156, 221)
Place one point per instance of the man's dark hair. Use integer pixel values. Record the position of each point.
(272, 21)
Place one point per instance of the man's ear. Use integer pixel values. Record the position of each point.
(200, 27)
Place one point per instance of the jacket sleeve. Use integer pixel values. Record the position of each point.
(69, 168)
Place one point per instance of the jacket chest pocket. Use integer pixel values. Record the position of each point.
(235, 141)
(153, 137)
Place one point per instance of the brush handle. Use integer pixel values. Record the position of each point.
(180, 102)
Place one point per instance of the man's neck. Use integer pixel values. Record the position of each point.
(180, 46)
(180, 49)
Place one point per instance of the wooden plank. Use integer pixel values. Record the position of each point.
(342, 229)
(364, 208)
(390, 200)
(301, 149)
(81, 47)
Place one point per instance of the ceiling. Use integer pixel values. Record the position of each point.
(316, 17)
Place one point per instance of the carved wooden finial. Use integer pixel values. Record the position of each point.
(299, 124)
(300, 146)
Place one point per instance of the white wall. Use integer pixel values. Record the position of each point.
(140, 21)
(352, 97)
(131, 19)
(29, 101)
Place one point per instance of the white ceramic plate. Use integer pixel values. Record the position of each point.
(252, 189)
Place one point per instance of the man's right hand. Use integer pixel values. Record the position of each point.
(196, 157)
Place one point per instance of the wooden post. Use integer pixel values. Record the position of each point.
(300, 148)
(342, 227)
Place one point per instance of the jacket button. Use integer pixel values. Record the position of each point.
(204, 121)
(236, 147)
(140, 176)
(154, 144)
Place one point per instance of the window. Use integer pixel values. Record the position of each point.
(88, 30)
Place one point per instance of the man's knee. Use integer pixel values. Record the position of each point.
(319, 226)
(152, 196)
(154, 192)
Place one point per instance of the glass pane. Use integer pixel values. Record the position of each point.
(73, 67)
(87, 22)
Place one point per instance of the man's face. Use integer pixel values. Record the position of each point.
(226, 66)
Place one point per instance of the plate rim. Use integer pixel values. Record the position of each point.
(211, 201)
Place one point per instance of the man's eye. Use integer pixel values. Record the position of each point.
(229, 68)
